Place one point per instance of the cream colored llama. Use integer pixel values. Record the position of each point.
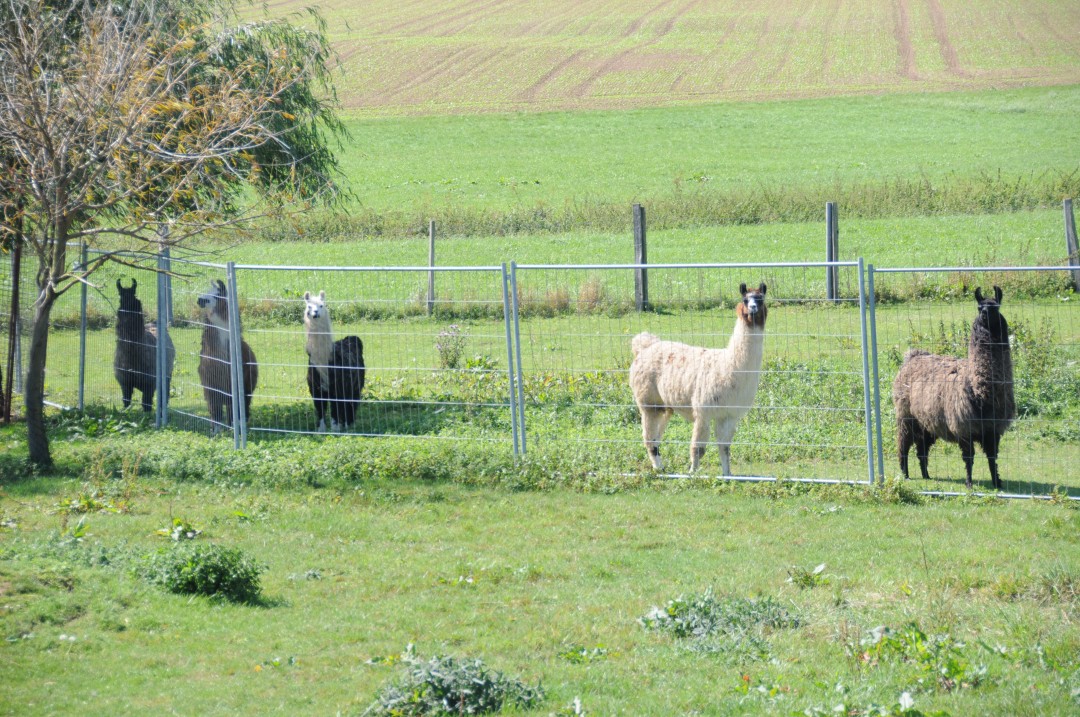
(704, 386)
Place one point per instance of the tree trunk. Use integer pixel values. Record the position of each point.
(37, 437)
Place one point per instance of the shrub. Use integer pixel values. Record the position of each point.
(204, 569)
(449, 686)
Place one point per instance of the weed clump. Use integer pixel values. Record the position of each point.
(733, 625)
(204, 569)
(450, 686)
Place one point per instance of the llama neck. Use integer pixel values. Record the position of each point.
(216, 337)
(747, 345)
(130, 324)
(320, 344)
(990, 360)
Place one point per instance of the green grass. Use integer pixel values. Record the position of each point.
(360, 568)
(890, 155)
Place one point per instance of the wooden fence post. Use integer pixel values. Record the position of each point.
(641, 276)
(1071, 244)
(832, 251)
(431, 265)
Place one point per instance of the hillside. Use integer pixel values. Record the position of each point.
(456, 56)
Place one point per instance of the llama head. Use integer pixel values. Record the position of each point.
(315, 311)
(990, 315)
(214, 302)
(129, 303)
(751, 308)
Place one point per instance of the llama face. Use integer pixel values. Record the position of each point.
(213, 301)
(752, 309)
(314, 306)
(990, 311)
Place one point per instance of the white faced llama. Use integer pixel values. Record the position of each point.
(336, 371)
(704, 386)
(214, 363)
(963, 401)
(135, 359)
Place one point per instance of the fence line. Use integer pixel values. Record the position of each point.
(825, 367)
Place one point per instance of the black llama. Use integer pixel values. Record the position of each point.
(135, 360)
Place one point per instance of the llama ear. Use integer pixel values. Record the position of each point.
(762, 287)
(322, 296)
(220, 286)
(978, 294)
(134, 284)
(742, 289)
(997, 294)
(307, 296)
(119, 286)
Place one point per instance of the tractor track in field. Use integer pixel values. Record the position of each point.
(904, 47)
(584, 89)
(941, 33)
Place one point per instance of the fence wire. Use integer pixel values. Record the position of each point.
(1040, 451)
(808, 420)
(535, 358)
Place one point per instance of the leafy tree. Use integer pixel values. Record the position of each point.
(139, 124)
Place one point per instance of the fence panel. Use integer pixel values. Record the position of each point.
(808, 420)
(934, 310)
(443, 376)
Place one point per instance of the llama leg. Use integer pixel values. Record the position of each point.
(699, 439)
(126, 389)
(148, 400)
(725, 431)
(653, 423)
(904, 440)
(967, 449)
(991, 443)
(923, 441)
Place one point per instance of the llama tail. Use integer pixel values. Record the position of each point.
(643, 341)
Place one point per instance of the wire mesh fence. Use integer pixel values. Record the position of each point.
(808, 420)
(1033, 370)
(534, 357)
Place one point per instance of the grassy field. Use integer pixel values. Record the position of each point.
(544, 584)
(455, 57)
(526, 130)
(524, 160)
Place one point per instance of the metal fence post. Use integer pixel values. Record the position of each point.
(236, 358)
(510, 359)
(866, 373)
(832, 245)
(160, 354)
(517, 355)
(871, 296)
(431, 267)
(82, 329)
(641, 274)
(1071, 244)
(167, 266)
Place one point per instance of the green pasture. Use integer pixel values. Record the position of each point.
(543, 584)
(461, 170)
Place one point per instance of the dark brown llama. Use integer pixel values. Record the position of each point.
(214, 363)
(960, 400)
